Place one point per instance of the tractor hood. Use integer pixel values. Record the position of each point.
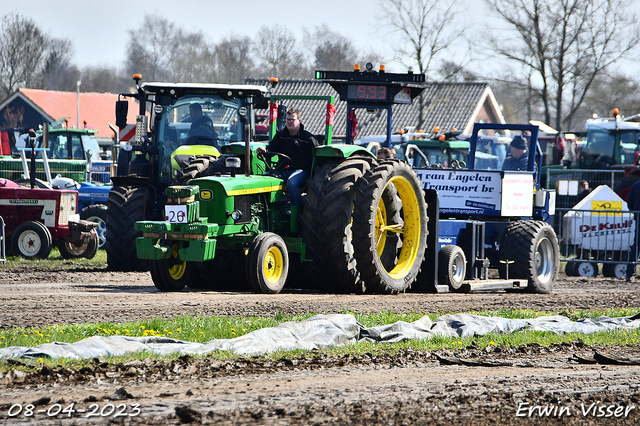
(240, 184)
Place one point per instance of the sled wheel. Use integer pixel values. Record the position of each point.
(614, 270)
(370, 225)
(267, 263)
(536, 257)
(171, 274)
(452, 266)
(571, 268)
(32, 240)
(587, 269)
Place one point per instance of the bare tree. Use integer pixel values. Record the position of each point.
(59, 73)
(564, 45)
(428, 29)
(104, 80)
(610, 91)
(162, 52)
(329, 50)
(453, 71)
(23, 49)
(277, 53)
(234, 61)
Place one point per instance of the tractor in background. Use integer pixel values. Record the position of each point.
(37, 218)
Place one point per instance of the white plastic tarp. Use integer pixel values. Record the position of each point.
(318, 332)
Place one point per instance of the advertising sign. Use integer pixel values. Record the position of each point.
(601, 221)
(465, 191)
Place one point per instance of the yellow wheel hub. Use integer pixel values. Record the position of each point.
(177, 270)
(273, 266)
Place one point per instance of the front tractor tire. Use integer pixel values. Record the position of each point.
(126, 206)
(267, 263)
(32, 240)
(172, 274)
(377, 230)
(530, 249)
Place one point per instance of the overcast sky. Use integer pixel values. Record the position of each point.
(99, 29)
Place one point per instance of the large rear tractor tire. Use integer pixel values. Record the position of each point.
(390, 187)
(32, 240)
(532, 246)
(126, 206)
(97, 213)
(171, 274)
(267, 263)
(326, 224)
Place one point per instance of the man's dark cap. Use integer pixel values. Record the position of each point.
(518, 142)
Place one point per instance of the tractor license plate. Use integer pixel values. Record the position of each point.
(176, 214)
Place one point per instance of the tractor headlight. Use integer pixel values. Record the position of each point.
(236, 215)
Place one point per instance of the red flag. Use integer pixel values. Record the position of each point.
(331, 113)
(273, 112)
(354, 123)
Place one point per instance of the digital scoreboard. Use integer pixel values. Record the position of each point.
(366, 92)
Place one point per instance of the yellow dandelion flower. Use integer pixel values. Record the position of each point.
(40, 360)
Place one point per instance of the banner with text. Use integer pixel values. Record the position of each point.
(464, 191)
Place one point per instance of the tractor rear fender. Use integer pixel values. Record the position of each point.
(323, 154)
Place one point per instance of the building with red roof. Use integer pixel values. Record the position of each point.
(40, 106)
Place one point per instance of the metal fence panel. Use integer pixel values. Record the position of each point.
(565, 182)
(598, 237)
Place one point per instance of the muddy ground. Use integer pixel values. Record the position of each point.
(567, 384)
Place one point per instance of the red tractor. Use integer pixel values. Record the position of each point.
(36, 218)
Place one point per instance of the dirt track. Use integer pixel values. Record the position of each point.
(469, 387)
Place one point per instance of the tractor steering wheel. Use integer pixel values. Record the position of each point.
(271, 167)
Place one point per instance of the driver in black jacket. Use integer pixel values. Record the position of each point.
(298, 144)
(201, 125)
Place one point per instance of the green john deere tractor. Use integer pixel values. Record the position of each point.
(362, 228)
